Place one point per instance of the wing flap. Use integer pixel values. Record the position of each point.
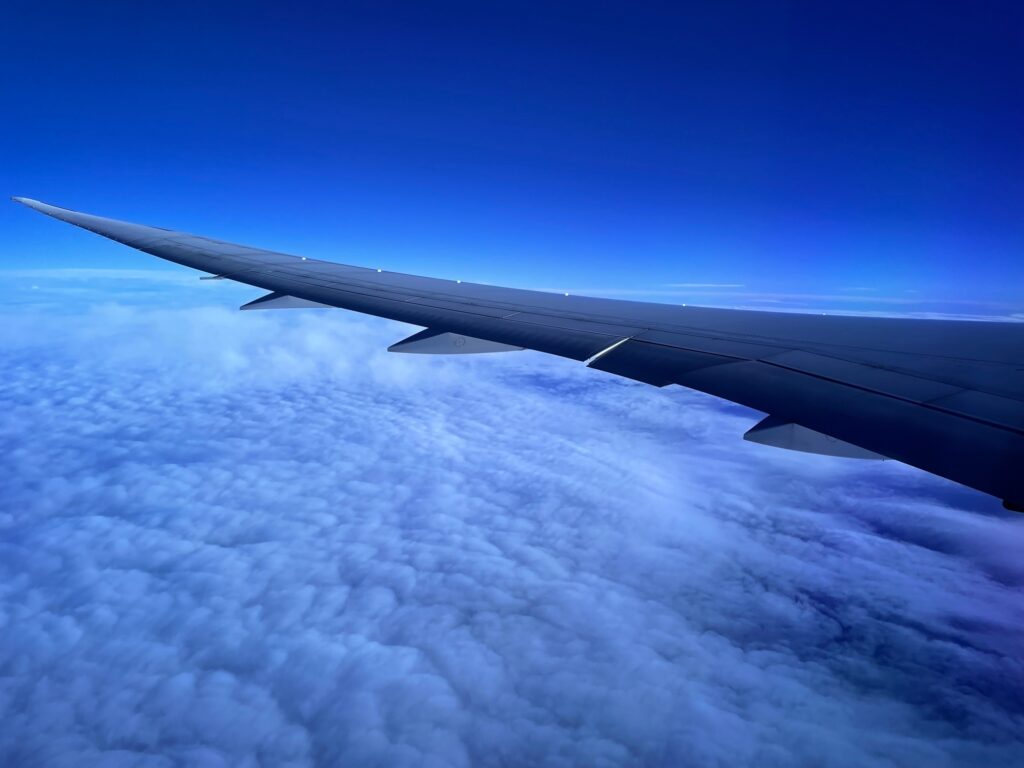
(976, 453)
(887, 382)
(985, 407)
(655, 364)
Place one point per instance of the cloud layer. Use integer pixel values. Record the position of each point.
(258, 539)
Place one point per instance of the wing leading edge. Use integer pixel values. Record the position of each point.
(944, 396)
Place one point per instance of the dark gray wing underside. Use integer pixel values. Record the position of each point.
(945, 396)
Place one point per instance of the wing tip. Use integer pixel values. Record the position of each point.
(27, 201)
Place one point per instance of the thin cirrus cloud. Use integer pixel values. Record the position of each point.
(257, 538)
(854, 300)
(706, 285)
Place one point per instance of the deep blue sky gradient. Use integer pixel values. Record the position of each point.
(259, 538)
(778, 147)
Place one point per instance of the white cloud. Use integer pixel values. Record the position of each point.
(258, 538)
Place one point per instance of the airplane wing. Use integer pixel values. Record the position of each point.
(942, 395)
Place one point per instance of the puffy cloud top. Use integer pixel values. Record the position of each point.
(259, 539)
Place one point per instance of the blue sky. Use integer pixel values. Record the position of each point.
(258, 539)
(781, 148)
